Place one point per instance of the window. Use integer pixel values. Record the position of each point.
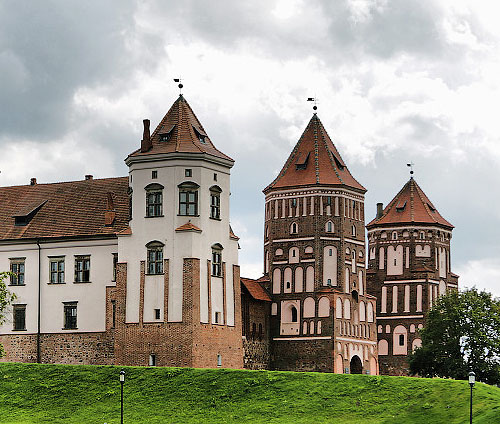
(152, 360)
(218, 319)
(154, 200)
(115, 264)
(17, 269)
(219, 360)
(401, 340)
(157, 314)
(155, 258)
(82, 269)
(113, 314)
(56, 270)
(294, 228)
(215, 176)
(19, 317)
(188, 172)
(188, 199)
(217, 260)
(215, 192)
(394, 235)
(329, 227)
(354, 231)
(70, 316)
(294, 314)
(154, 174)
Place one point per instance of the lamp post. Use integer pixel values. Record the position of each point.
(122, 380)
(472, 380)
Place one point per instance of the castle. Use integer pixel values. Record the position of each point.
(143, 270)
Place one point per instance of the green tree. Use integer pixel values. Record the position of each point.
(6, 298)
(462, 333)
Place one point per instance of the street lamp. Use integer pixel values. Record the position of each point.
(472, 380)
(122, 380)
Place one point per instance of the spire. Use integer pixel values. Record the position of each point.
(179, 131)
(410, 206)
(314, 161)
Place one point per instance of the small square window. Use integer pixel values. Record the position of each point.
(154, 174)
(157, 314)
(188, 172)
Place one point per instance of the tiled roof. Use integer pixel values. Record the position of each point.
(188, 226)
(255, 289)
(183, 129)
(314, 161)
(410, 206)
(68, 209)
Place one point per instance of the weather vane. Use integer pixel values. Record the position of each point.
(315, 100)
(180, 84)
(410, 165)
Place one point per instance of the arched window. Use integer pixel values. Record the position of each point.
(324, 307)
(309, 307)
(394, 235)
(369, 312)
(329, 227)
(188, 198)
(294, 229)
(217, 260)
(215, 192)
(154, 200)
(155, 257)
(347, 309)
(362, 311)
(383, 347)
(293, 311)
(421, 235)
(338, 308)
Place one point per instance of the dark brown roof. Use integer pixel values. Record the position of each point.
(69, 209)
(410, 206)
(314, 161)
(255, 289)
(184, 131)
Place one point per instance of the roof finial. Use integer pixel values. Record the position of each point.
(411, 168)
(180, 85)
(315, 100)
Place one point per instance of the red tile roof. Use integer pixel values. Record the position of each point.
(314, 161)
(68, 209)
(188, 226)
(410, 206)
(184, 131)
(255, 289)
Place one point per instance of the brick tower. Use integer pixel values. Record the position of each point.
(314, 254)
(408, 268)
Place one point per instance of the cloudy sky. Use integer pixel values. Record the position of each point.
(397, 81)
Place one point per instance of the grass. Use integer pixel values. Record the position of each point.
(31, 393)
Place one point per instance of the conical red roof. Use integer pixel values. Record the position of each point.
(314, 161)
(180, 131)
(410, 206)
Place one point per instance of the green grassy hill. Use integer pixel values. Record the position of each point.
(32, 393)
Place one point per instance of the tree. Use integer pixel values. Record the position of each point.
(461, 334)
(6, 298)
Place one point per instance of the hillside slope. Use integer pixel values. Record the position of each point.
(31, 393)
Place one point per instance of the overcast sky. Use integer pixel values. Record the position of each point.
(397, 81)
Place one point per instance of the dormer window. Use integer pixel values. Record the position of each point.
(400, 207)
(200, 134)
(166, 135)
(24, 217)
(302, 160)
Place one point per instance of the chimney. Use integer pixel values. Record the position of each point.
(146, 137)
(110, 214)
(89, 177)
(380, 210)
(33, 181)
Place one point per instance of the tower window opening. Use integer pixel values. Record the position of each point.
(294, 314)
